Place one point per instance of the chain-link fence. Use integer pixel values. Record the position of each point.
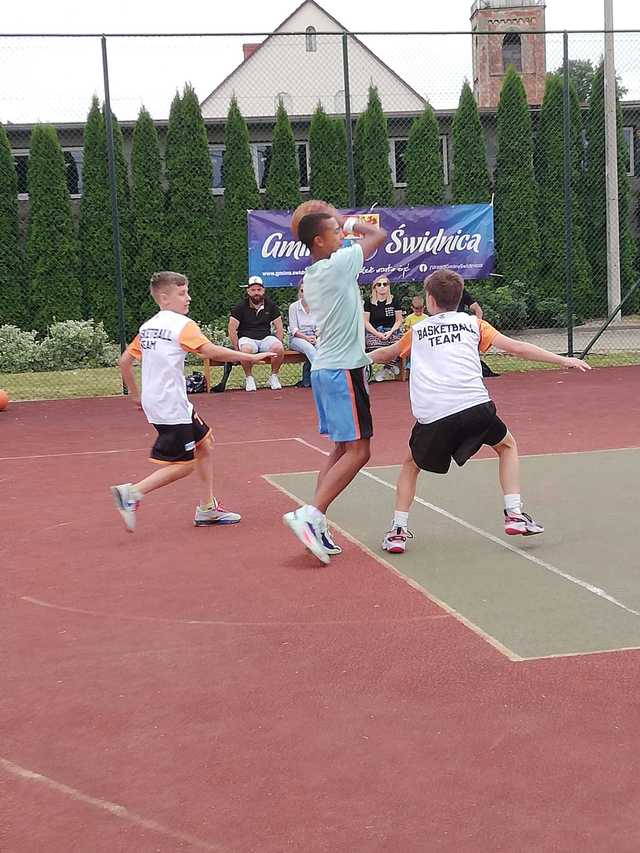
(203, 128)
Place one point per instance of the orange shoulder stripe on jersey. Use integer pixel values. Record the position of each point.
(191, 338)
(134, 349)
(487, 335)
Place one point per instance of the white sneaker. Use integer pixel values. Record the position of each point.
(395, 541)
(394, 369)
(249, 383)
(328, 543)
(384, 374)
(307, 531)
(214, 514)
(126, 504)
(274, 383)
(521, 524)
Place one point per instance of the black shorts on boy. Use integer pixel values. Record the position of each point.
(178, 442)
(458, 436)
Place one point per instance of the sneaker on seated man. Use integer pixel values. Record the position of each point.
(255, 325)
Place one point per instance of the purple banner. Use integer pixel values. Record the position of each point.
(420, 240)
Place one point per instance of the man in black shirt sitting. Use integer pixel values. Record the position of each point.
(250, 331)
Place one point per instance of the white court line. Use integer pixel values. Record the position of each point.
(333, 623)
(134, 449)
(114, 809)
(449, 611)
(594, 590)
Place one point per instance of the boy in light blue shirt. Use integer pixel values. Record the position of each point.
(338, 372)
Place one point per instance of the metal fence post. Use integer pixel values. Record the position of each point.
(568, 229)
(351, 182)
(115, 222)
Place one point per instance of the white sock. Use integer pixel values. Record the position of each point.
(314, 514)
(401, 519)
(513, 503)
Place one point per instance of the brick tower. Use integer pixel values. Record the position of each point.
(512, 45)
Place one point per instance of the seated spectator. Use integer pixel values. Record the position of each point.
(302, 334)
(250, 331)
(382, 323)
(417, 306)
(469, 305)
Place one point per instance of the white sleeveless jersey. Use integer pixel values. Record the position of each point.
(162, 345)
(446, 374)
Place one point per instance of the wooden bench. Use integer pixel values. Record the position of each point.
(290, 357)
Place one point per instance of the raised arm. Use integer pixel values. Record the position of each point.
(372, 237)
(531, 352)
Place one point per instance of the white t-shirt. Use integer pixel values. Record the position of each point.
(446, 374)
(301, 320)
(162, 345)
(332, 294)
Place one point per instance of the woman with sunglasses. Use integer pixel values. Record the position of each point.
(383, 323)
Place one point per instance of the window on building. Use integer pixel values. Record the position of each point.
(338, 102)
(261, 162)
(310, 40)
(261, 154)
(21, 162)
(216, 152)
(73, 160)
(397, 153)
(302, 149)
(512, 51)
(629, 140)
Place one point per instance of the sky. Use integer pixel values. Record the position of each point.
(54, 79)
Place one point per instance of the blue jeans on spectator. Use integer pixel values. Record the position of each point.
(309, 351)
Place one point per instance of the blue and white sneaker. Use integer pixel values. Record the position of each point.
(308, 531)
(127, 503)
(328, 544)
(214, 514)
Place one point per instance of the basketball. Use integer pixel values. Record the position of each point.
(4, 400)
(311, 206)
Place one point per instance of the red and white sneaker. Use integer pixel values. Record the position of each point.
(395, 541)
(520, 524)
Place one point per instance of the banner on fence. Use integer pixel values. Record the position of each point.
(420, 240)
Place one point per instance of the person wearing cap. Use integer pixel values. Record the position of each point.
(255, 325)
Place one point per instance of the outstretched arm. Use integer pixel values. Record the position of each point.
(531, 352)
(383, 355)
(218, 353)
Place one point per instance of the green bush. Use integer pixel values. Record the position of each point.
(18, 350)
(72, 344)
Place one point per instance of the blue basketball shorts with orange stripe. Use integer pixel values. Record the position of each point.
(342, 403)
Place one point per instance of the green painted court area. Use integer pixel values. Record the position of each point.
(573, 590)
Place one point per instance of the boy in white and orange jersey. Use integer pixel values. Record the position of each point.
(454, 413)
(184, 440)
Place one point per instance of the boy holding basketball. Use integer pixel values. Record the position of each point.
(338, 371)
(454, 414)
(184, 441)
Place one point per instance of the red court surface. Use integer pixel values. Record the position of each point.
(216, 689)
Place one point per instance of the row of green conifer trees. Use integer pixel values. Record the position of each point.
(169, 217)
